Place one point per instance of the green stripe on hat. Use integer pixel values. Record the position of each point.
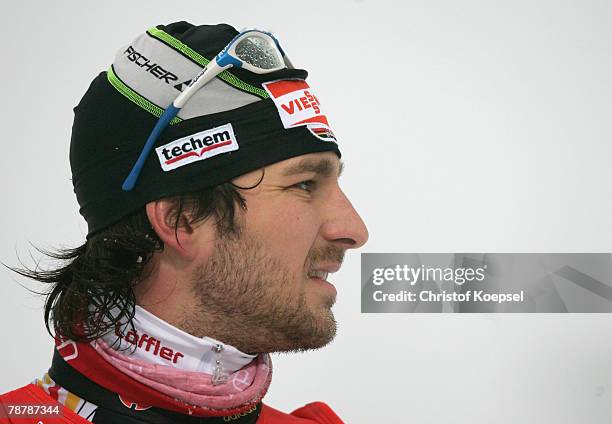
(187, 51)
(135, 97)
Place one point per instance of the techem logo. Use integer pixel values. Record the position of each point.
(196, 147)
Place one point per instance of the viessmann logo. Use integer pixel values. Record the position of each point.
(198, 146)
(297, 106)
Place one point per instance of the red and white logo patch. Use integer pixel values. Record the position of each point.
(198, 146)
(132, 404)
(297, 106)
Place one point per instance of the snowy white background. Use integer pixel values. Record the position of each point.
(480, 126)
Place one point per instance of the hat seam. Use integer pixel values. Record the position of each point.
(135, 97)
(182, 48)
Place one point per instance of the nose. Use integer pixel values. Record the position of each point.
(343, 225)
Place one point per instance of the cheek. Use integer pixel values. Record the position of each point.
(288, 231)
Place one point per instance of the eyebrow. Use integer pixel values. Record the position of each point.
(324, 167)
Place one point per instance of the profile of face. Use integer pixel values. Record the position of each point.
(264, 288)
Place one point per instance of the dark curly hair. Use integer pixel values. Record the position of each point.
(95, 279)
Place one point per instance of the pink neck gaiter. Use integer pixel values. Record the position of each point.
(200, 371)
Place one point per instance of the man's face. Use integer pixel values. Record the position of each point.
(269, 281)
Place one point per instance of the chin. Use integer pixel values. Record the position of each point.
(323, 333)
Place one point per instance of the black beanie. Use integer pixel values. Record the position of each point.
(238, 122)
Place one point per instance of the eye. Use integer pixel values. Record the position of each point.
(307, 185)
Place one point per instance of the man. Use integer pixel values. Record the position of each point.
(216, 254)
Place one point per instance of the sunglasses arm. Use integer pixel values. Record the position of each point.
(208, 73)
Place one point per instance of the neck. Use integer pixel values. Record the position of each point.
(166, 287)
(158, 342)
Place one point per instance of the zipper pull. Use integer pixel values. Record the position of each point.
(219, 376)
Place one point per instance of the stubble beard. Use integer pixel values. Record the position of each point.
(248, 299)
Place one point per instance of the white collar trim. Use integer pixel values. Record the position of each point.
(156, 341)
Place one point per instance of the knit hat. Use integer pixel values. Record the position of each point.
(238, 122)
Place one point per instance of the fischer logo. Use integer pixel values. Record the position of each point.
(149, 344)
(297, 106)
(153, 68)
(196, 147)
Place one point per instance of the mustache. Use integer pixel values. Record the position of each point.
(328, 253)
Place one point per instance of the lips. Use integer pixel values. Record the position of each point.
(318, 274)
(322, 271)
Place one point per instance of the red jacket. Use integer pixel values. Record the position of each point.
(317, 412)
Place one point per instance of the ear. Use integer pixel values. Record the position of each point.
(183, 240)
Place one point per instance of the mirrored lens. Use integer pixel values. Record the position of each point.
(259, 52)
